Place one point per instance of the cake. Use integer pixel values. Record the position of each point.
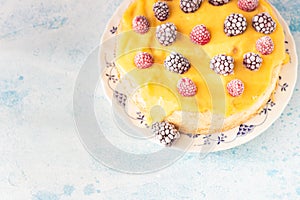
(209, 64)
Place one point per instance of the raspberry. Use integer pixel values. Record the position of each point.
(161, 11)
(177, 63)
(265, 45)
(165, 132)
(235, 24)
(218, 2)
(190, 6)
(263, 23)
(186, 87)
(200, 35)
(235, 87)
(143, 60)
(248, 5)
(166, 34)
(252, 61)
(222, 64)
(140, 24)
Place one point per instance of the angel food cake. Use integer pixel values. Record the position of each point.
(209, 64)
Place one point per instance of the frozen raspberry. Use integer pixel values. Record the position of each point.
(252, 61)
(263, 23)
(190, 6)
(186, 87)
(161, 11)
(176, 63)
(265, 45)
(140, 24)
(235, 87)
(218, 2)
(200, 35)
(222, 64)
(165, 132)
(143, 60)
(235, 24)
(248, 5)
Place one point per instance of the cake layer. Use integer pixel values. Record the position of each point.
(211, 96)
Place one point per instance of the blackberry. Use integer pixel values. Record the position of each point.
(190, 6)
(222, 64)
(252, 61)
(235, 24)
(177, 63)
(166, 34)
(263, 23)
(161, 11)
(165, 132)
(218, 2)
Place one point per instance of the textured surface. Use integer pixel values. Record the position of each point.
(42, 46)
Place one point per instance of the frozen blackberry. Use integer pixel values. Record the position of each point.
(222, 64)
(218, 2)
(165, 132)
(190, 6)
(166, 34)
(252, 61)
(235, 24)
(263, 23)
(177, 63)
(161, 11)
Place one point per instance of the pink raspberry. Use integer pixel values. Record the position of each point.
(143, 60)
(186, 87)
(248, 5)
(200, 35)
(140, 24)
(235, 87)
(265, 45)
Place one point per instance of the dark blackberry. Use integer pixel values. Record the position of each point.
(263, 23)
(218, 2)
(166, 34)
(177, 63)
(252, 61)
(222, 64)
(235, 24)
(165, 132)
(161, 11)
(190, 6)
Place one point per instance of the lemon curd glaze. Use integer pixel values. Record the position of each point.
(157, 86)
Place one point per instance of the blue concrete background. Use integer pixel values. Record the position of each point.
(42, 47)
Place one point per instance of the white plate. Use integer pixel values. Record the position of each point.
(225, 140)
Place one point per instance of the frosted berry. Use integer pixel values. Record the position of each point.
(252, 61)
(176, 63)
(235, 24)
(235, 87)
(265, 45)
(166, 34)
(248, 5)
(263, 23)
(218, 2)
(190, 6)
(143, 60)
(222, 64)
(140, 24)
(165, 132)
(200, 35)
(161, 11)
(186, 87)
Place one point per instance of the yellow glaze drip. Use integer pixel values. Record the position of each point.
(211, 93)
